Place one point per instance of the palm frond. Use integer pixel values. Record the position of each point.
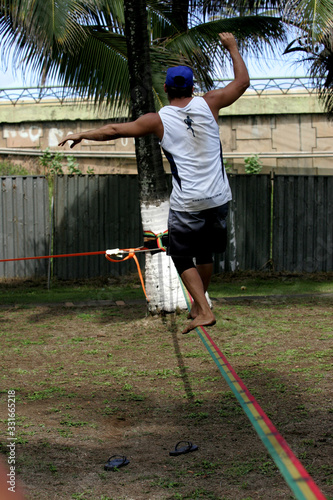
(108, 14)
(313, 16)
(46, 21)
(98, 70)
(319, 59)
(201, 48)
(233, 8)
(321, 71)
(160, 25)
(161, 59)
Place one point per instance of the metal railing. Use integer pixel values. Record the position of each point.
(279, 85)
(29, 95)
(300, 85)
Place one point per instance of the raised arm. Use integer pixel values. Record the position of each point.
(220, 98)
(149, 123)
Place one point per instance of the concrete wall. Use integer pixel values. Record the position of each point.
(290, 133)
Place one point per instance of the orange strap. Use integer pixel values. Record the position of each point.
(131, 255)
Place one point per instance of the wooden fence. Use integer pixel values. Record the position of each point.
(284, 223)
(24, 225)
(93, 213)
(303, 223)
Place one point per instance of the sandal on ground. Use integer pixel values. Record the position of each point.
(184, 449)
(115, 462)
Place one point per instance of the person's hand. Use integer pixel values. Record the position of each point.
(228, 40)
(76, 138)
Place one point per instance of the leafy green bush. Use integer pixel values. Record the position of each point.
(228, 167)
(53, 163)
(253, 165)
(8, 168)
(73, 166)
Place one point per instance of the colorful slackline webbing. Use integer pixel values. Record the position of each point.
(156, 236)
(297, 478)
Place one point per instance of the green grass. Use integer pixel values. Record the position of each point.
(146, 386)
(35, 292)
(270, 284)
(231, 285)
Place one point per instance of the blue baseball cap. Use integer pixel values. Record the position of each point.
(179, 77)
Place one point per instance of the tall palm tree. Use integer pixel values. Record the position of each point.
(152, 181)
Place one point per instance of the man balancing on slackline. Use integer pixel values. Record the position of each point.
(189, 135)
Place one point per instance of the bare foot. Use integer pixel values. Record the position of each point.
(200, 320)
(193, 312)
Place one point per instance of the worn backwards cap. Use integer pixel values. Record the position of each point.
(179, 77)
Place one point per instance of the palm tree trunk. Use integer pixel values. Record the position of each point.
(162, 282)
(148, 152)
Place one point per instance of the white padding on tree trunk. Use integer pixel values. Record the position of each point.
(162, 282)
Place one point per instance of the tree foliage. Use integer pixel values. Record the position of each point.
(314, 19)
(83, 46)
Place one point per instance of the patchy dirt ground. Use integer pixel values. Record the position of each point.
(94, 382)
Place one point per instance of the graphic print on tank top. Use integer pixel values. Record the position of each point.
(188, 120)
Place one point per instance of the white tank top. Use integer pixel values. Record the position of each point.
(191, 143)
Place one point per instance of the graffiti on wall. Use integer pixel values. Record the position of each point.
(30, 137)
(35, 136)
(22, 136)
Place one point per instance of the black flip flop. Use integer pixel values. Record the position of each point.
(184, 449)
(115, 462)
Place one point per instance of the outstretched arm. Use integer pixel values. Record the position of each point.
(149, 123)
(220, 98)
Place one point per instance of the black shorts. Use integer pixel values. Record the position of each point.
(192, 234)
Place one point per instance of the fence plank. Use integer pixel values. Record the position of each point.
(249, 224)
(24, 225)
(94, 213)
(302, 225)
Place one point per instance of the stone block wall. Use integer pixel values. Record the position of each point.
(290, 134)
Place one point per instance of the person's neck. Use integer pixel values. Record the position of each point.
(180, 102)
